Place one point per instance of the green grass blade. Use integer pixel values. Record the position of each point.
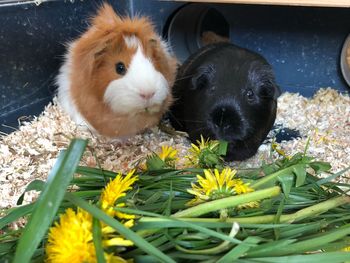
(124, 231)
(97, 236)
(305, 245)
(95, 172)
(239, 250)
(334, 257)
(49, 201)
(6, 247)
(278, 217)
(171, 221)
(159, 223)
(271, 179)
(332, 177)
(226, 202)
(16, 213)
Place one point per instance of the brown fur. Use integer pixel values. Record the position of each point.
(94, 56)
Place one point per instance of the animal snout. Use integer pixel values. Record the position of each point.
(228, 123)
(146, 95)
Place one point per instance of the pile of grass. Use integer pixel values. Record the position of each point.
(300, 217)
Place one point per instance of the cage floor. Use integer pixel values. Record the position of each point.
(30, 152)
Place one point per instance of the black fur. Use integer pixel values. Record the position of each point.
(226, 92)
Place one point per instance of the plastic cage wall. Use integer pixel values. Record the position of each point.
(303, 44)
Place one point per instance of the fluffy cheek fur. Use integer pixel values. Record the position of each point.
(64, 97)
(125, 95)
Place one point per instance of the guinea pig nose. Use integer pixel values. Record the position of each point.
(146, 95)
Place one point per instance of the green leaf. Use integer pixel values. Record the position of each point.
(286, 181)
(320, 167)
(300, 173)
(97, 237)
(36, 185)
(49, 201)
(272, 178)
(153, 162)
(222, 148)
(124, 231)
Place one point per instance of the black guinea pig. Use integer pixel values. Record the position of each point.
(227, 93)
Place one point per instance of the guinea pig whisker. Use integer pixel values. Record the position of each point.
(193, 121)
(222, 117)
(175, 119)
(199, 129)
(185, 77)
(178, 120)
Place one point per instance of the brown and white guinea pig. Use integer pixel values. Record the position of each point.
(229, 93)
(117, 77)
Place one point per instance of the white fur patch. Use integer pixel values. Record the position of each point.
(123, 95)
(63, 92)
(131, 41)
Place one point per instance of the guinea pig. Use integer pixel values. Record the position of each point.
(227, 93)
(117, 76)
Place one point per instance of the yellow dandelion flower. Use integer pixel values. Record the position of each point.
(203, 144)
(166, 158)
(242, 188)
(71, 240)
(204, 155)
(168, 153)
(274, 146)
(346, 249)
(215, 185)
(114, 190)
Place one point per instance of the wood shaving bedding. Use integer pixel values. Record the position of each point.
(30, 152)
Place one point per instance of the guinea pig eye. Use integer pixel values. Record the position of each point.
(250, 94)
(120, 68)
(200, 82)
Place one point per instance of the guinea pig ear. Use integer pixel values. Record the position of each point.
(203, 77)
(269, 89)
(106, 18)
(89, 48)
(265, 80)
